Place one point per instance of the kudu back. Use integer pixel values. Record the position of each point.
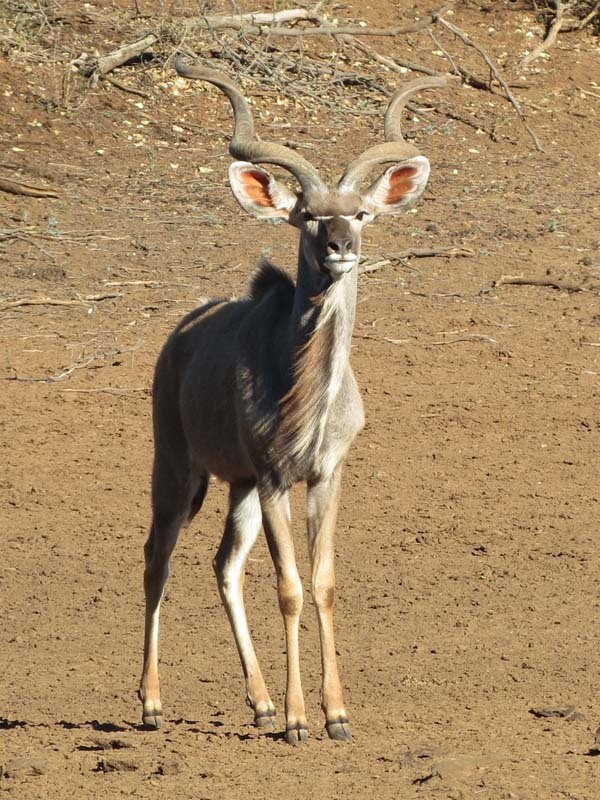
(259, 393)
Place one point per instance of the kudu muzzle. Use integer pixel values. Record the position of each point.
(341, 249)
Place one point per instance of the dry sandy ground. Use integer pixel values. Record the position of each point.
(467, 547)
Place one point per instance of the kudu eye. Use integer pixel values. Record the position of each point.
(361, 215)
(307, 216)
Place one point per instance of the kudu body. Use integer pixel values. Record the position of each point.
(259, 392)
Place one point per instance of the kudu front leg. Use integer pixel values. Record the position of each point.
(276, 522)
(241, 531)
(322, 506)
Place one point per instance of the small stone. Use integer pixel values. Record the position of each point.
(169, 768)
(116, 765)
(27, 765)
(545, 712)
(109, 744)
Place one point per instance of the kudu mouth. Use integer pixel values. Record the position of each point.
(337, 265)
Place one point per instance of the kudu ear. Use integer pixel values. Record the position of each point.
(398, 188)
(257, 191)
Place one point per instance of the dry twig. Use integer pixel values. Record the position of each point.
(15, 187)
(414, 252)
(428, 252)
(495, 72)
(471, 337)
(589, 17)
(579, 24)
(562, 286)
(124, 88)
(244, 23)
(95, 67)
(82, 363)
(51, 301)
(238, 21)
(116, 390)
(550, 36)
(396, 64)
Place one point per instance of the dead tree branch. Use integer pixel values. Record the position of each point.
(579, 24)
(562, 286)
(471, 337)
(15, 187)
(82, 363)
(51, 301)
(589, 17)
(550, 36)
(429, 252)
(245, 22)
(124, 88)
(395, 64)
(415, 252)
(238, 21)
(495, 72)
(95, 67)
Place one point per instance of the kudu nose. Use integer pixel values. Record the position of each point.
(340, 246)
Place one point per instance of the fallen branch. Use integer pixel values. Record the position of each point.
(428, 252)
(50, 301)
(124, 88)
(549, 39)
(335, 30)
(15, 187)
(472, 337)
(415, 252)
(241, 23)
(471, 123)
(589, 94)
(365, 268)
(464, 74)
(29, 232)
(12, 233)
(236, 21)
(395, 64)
(111, 390)
(517, 280)
(579, 24)
(495, 72)
(95, 67)
(82, 363)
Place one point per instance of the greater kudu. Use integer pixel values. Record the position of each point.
(259, 392)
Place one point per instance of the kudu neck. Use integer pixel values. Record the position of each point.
(318, 297)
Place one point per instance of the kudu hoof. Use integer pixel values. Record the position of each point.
(152, 721)
(296, 735)
(265, 720)
(339, 731)
(152, 712)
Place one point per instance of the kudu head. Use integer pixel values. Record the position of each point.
(330, 220)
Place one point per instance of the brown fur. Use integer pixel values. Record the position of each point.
(304, 403)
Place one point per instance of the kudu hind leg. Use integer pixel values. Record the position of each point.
(323, 501)
(241, 531)
(166, 524)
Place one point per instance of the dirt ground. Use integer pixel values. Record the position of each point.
(467, 567)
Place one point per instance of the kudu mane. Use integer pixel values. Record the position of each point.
(298, 430)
